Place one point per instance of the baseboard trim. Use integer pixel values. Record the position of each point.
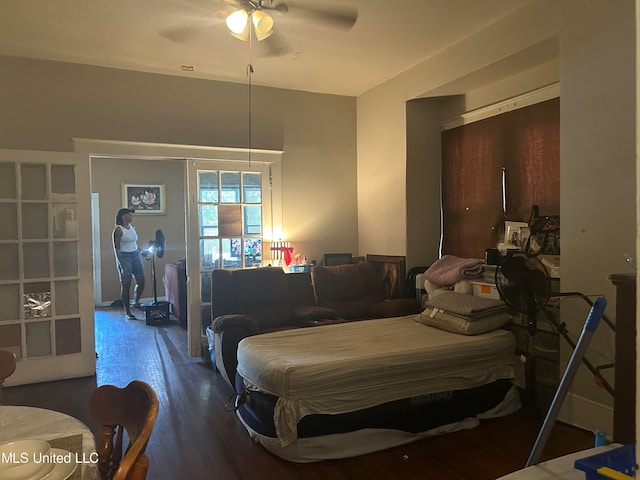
(586, 414)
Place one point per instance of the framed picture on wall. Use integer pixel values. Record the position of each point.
(144, 198)
(392, 272)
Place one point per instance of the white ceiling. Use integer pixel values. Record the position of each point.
(388, 37)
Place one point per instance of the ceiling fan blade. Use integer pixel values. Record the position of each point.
(181, 33)
(341, 17)
(195, 17)
(273, 46)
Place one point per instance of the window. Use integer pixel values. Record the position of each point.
(494, 170)
(230, 218)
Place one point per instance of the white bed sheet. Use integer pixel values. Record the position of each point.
(360, 442)
(346, 367)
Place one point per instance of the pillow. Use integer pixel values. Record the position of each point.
(461, 325)
(466, 305)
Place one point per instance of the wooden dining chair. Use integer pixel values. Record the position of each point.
(130, 411)
(7, 367)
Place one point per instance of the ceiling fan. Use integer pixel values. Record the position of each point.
(248, 19)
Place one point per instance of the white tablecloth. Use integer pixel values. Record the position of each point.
(60, 430)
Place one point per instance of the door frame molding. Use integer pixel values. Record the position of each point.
(96, 148)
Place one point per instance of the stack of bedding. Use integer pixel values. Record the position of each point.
(465, 314)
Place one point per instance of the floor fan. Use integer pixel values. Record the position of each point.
(157, 313)
(523, 283)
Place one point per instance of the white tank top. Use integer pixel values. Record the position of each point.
(129, 239)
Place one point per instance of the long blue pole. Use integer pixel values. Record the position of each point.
(590, 325)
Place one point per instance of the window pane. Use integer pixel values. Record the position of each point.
(63, 179)
(34, 182)
(230, 187)
(208, 187)
(208, 220)
(9, 260)
(67, 301)
(34, 221)
(253, 220)
(65, 259)
(205, 287)
(37, 300)
(35, 259)
(8, 180)
(38, 339)
(231, 252)
(252, 252)
(10, 301)
(209, 253)
(65, 224)
(9, 215)
(252, 188)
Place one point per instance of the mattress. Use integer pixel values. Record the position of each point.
(375, 429)
(348, 367)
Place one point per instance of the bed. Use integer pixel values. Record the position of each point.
(347, 389)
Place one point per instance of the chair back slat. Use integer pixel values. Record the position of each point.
(131, 410)
(7, 367)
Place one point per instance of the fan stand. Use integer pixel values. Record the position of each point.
(577, 357)
(530, 365)
(153, 276)
(156, 313)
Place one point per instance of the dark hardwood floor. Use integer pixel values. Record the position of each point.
(195, 438)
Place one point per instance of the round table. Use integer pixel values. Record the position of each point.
(60, 430)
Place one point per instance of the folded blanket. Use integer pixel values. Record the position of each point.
(449, 269)
(463, 325)
(465, 286)
(471, 306)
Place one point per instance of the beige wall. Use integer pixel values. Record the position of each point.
(107, 175)
(596, 71)
(45, 104)
(597, 177)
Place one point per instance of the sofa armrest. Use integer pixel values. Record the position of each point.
(312, 312)
(244, 322)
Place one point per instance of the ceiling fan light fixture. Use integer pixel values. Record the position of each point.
(262, 24)
(237, 22)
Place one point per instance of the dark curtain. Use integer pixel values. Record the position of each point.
(472, 187)
(533, 162)
(526, 143)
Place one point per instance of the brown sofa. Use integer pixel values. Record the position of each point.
(261, 300)
(355, 292)
(258, 300)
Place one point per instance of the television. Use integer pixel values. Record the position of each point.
(337, 259)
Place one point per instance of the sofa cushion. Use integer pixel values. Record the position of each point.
(259, 293)
(260, 286)
(268, 316)
(337, 283)
(300, 290)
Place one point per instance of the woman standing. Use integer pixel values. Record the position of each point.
(128, 261)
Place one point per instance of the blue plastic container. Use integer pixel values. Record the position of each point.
(621, 459)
